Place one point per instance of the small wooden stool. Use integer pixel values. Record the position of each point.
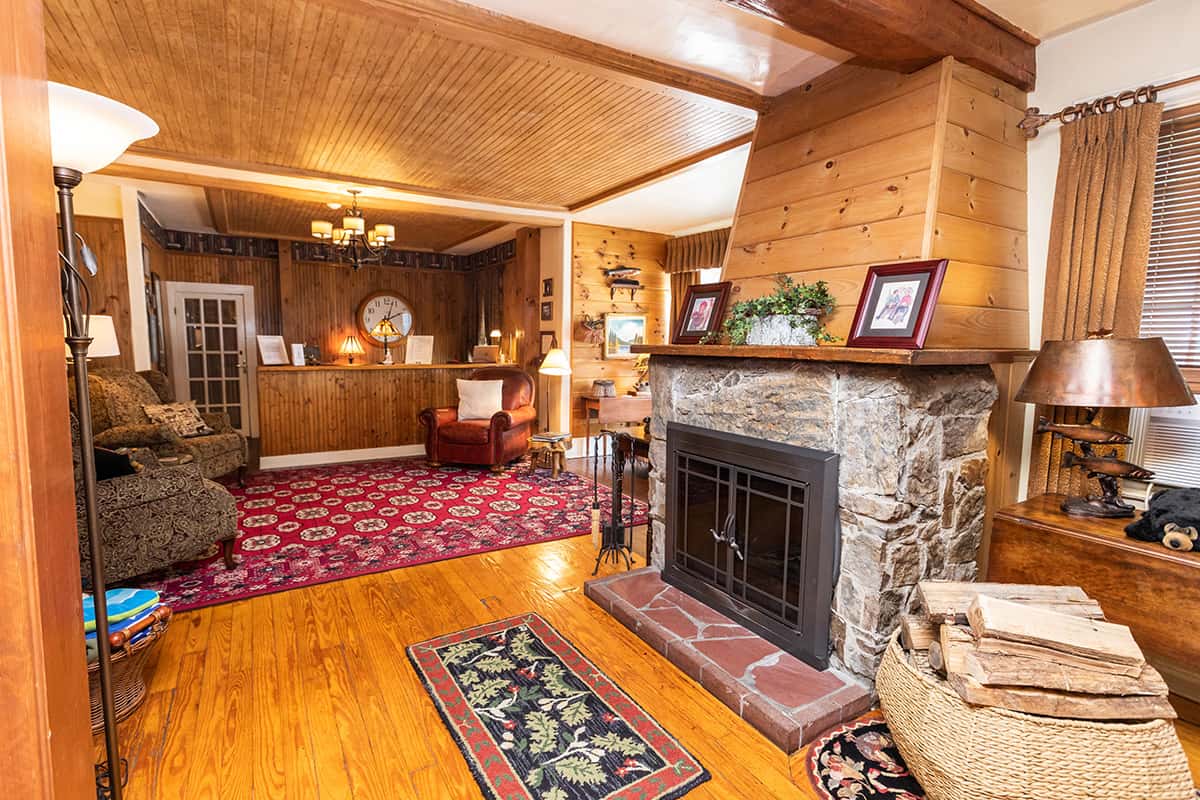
(549, 455)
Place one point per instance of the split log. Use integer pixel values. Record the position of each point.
(1050, 656)
(993, 618)
(956, 643)
(1064, 705)
(916, 632)
(1001, 669)
(944, 600)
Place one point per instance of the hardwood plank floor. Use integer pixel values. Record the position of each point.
(308, 694)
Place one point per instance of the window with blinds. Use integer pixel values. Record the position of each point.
(1167, 440)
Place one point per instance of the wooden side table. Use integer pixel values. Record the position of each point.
(549, 455)
(1150, 588)
(604, 410)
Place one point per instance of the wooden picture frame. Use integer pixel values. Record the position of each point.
(702, 312)
(622, 331)
(548, 311)
(546, 341)
(896, 305)
(547, 287)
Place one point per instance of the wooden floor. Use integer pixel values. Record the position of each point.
(308, 695)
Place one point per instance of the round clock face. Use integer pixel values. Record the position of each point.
(381, 305)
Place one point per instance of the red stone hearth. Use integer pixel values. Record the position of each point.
(781, 696)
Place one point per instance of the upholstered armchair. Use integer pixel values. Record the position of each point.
(118, 420)
(154, 518)
(486, 442)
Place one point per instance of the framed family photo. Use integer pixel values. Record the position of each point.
(622, 332)
(701, 313)
(896, 305)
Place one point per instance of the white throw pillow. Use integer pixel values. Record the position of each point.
(479, 399)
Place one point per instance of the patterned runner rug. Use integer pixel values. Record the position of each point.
(301, 527)
(535, 720)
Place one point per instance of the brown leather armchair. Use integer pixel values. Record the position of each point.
(487, 442)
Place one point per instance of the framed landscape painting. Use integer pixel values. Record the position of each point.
(622, 332)
(896, 305)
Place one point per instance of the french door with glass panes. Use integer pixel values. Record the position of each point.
(211, 326)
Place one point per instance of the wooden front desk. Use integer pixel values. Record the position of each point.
(336, 408)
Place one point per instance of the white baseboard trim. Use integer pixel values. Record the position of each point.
(340, 456)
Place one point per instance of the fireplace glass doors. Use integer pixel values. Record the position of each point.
(752, 532)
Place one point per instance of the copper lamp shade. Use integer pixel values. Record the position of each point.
(1105, 373)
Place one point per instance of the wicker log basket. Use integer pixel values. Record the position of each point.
(963, 752)
(129, 684)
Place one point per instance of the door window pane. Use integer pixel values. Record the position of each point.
(212, 338)
(231, 364)
(210, 311)
(214, 365)
(229, 312)
(197, 392)
(195, 365)
(235, 416)
(230, 336)
(233, 392)
(195, 337)
(191, 311)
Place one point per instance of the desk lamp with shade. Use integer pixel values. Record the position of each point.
(494, 337)
(384, 329)
(1095, 373)
(351, 347)
(88, 132)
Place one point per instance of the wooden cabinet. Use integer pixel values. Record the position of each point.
(1153, 590)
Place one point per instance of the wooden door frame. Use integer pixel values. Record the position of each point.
(47, 753)
(171, 292)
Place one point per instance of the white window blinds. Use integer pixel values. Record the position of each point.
(1166, 440)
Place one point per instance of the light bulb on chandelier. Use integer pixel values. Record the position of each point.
(350, 241)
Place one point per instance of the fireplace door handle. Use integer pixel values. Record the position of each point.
(724, 535)
(737, 551)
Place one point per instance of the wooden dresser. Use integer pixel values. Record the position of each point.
(1153, 590)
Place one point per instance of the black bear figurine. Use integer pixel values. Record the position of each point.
(1171, 517)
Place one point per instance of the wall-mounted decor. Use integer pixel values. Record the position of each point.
(272, 351)
(547, 287)
(701, 313)
(896, 305)
(621, 332)
(547, 311)
(591, 329)
(623, 278)
(547, 341)
(378, 306)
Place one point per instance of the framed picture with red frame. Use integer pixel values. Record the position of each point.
(702, 312)
(896, 305)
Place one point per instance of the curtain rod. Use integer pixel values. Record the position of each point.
(1143, 94)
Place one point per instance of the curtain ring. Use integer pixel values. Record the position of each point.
(1107, 104)
(1126, 99)
(1069, 115)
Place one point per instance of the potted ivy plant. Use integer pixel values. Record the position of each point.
(790, 315)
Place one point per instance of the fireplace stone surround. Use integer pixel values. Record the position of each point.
(912, 442)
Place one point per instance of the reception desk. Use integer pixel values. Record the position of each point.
(344, 413)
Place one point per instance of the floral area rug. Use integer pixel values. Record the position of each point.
(859, 761)
(301, 527)
(535, 720)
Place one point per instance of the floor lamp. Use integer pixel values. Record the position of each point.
(88, 132)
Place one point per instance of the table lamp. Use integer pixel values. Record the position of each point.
(88, 132)
(352, 347)
(1095, 373)
(385, 329)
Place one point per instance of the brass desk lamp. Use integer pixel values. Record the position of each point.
(1102, 372)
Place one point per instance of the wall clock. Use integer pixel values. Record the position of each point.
(378, 305)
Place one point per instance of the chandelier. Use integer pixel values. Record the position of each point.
(352, 242)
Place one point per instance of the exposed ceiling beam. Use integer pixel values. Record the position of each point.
(489, 229)
(660, 173)
(906, 35)
(473, 24)
(218, 209)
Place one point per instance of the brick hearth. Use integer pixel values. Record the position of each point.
(781, 696)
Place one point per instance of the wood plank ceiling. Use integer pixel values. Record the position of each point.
(273, 215)
(371, 93)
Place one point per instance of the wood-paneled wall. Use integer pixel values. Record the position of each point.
(594, 249)
(322, 409)
(109, 287)
(521, 289)
(864, 167)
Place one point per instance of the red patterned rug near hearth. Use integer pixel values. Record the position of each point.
(300, 527)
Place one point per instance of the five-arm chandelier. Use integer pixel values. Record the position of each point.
(352, 242)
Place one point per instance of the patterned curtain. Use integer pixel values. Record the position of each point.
(1096, 262)
(686, 256)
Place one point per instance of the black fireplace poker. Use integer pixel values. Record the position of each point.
(617, 532)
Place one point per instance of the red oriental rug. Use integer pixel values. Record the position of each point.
(301, 527)
(535, 720)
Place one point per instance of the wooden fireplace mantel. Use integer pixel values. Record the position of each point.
(852, 355)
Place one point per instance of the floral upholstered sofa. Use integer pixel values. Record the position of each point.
(155, 518)
(118, 420)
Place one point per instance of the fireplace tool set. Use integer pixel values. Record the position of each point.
(616, 532)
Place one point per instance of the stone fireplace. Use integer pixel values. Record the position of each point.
(912, 447)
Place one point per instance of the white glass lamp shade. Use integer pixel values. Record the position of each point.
(495, 334)
(555, 363)
(322, 229)
(89, 131)
(385, 233)
(104, 337)
(354, 225)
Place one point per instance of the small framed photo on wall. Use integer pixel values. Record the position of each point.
(547, 287)
(701, 313)
(547, 311)
(896, 305)
(622, 332)
(546, 342)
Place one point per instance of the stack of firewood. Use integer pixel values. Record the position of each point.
(1037, 649)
